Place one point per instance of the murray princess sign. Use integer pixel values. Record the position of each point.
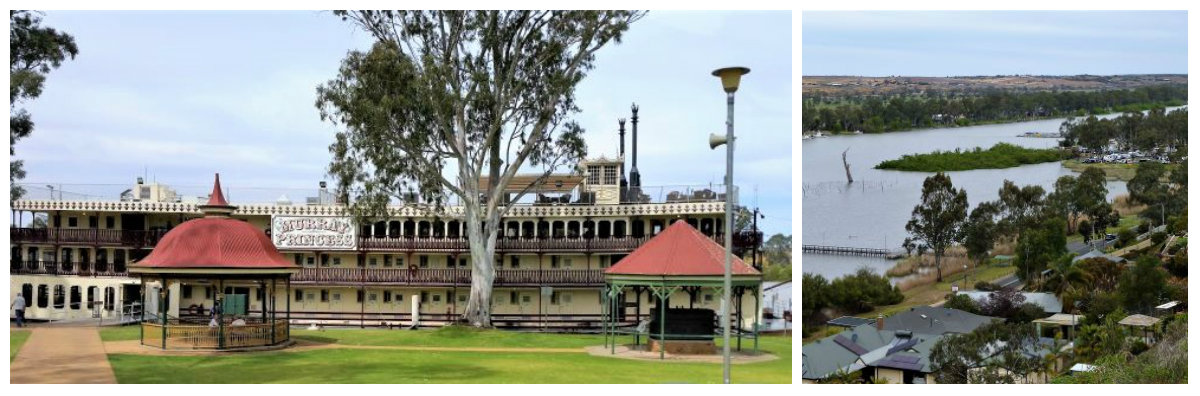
(314, 232)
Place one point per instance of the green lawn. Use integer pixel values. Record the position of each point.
(454, 336)
(398, 366)
(119, 333)
(16, 338)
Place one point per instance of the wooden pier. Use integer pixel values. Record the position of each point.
(850, 251)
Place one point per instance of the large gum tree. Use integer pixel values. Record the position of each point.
(446, 99)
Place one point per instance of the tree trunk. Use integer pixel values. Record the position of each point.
(849, 179)
(937, 263)
(482, 241)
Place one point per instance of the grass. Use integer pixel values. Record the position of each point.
(452, 336)
(397, 366)
(16, 338)
(936, 292)
(1122, 172)
(119, 333)
(1127, 221)
(1001, 155)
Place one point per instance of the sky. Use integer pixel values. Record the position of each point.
(967, 43)
(177, 96)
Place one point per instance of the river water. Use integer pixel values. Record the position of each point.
(872, 211)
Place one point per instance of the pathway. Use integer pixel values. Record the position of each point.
(62, 355)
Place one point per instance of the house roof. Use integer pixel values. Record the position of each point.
(1061, 319)
(1048, 301)
(843, 351)
(215, 241)
(936, 321)
(849, 321)
(680, 250)
(1096, 253)
(1139, 320)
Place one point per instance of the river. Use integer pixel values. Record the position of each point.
(872, 211)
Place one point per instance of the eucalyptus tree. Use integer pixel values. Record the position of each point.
(34, 50)
(937, 221)
(980, 231)
(455, 103)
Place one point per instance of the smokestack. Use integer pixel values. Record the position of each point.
(621, 122)
(879, 322)
(624, 182)
(635, 178)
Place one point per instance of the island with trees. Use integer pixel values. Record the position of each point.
(1001, 155)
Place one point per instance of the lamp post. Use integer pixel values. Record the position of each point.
(730, 77)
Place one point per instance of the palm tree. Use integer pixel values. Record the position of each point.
(1065, 276)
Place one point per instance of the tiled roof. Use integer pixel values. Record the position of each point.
(679, 250)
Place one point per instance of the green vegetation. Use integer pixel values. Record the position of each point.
(1127, 363)
(399, 366)
(1002, 155)
(119, 333)
(851, 294)
(1153, 130)
(874, 114)
(16, 338)
(450, 336)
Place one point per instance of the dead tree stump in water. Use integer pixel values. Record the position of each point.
(849, 179)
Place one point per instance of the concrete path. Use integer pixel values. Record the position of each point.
(62, 355)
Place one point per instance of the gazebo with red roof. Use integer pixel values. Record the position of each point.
(215, 249)
(679, 258)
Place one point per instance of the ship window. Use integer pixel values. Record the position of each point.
(187, 291)
(387, 296)
(514, 261)
(424, 261)
(110, 222)
(593, 174)
(60, 299)
(324, 295)
(72, 221)
(110, 298)
(610, 174)
(76, 297)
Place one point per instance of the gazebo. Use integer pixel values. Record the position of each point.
(213, 250)
(679, 259)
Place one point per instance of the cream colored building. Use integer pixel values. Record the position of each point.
(550, 256)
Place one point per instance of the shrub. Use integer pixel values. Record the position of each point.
(1158, 238)
(1125, 236)
(1143, 228)
(862, 291)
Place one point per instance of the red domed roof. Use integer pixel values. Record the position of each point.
(679, 250)
(215, 241)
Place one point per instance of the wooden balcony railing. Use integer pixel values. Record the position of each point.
(141, 238)
(67, 268)
(86, 236)
(445, 277)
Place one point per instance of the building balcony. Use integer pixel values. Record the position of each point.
(86, 236)
(67, 268)
(444, 277)
(148, 239)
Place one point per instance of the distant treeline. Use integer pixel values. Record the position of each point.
(1002, 155)
(886, 114)
(1154, 129)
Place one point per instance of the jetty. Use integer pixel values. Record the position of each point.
(852, 251)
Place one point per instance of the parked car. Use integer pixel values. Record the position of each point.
(1110, 237)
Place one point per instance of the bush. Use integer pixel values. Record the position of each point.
(1125, 236)
(985, 286)
(1143, 228)
(962, 302)
(862, 292)
(1138, 347)
(1158, 238)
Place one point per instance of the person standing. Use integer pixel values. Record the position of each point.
(19, 306)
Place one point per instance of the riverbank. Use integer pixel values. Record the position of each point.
(999, 156)
(1122, 172)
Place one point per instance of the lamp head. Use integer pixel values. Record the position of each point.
(730, 77)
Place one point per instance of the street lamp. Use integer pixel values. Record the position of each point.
(730, 78)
